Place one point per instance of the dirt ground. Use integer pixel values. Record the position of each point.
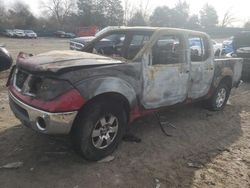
(207, 149)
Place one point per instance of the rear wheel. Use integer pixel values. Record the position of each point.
(219, 99)
(98, 129)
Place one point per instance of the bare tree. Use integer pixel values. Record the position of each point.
(228, 19)
(247, 25)
(208, 16)
(130, 10)
(144, 8)
(20, 16)
(60, 9)
(2, 14)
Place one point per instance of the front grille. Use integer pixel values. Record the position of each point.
(27, 83)
(20, 79)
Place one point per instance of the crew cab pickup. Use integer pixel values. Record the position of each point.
(93, 95)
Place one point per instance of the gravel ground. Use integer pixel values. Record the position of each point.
(207, 149)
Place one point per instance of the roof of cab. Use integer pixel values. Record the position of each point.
(159, 29)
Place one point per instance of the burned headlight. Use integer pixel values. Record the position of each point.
(48, 89)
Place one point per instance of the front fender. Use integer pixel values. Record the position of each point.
(94, 87)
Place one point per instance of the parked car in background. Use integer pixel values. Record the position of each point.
(69, 35)
(18, 33)
(79, 42)
(195, 47)
(241, 48)
(8, 33)
(59, 34)
(30, 34)
(5, 58)
(217, 48)
(63, 34)
(227, 47)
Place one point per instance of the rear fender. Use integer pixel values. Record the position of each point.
(225, 72)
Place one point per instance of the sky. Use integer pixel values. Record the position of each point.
(239, 8)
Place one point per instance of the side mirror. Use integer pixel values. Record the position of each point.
(5, 59)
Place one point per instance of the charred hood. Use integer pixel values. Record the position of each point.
(55, 61)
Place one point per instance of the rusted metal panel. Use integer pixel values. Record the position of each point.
(145, 86)
(57, 60)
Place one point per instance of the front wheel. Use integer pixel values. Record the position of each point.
(219, 98)
(98, 129)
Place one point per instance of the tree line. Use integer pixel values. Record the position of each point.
(68, 15)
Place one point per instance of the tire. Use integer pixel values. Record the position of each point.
(219, 99)
(98, 129)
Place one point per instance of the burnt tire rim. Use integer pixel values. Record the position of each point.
(105, 131)
(221, 97)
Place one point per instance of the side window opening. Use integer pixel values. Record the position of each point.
(136, 44)
(167, 50)
(111, 45)
(198, 49)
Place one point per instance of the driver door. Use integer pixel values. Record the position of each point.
(165, 72)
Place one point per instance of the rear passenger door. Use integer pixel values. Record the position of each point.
(201, 66)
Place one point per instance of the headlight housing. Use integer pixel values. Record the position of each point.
(48, 89)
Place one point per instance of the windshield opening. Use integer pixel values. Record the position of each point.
(120, 44)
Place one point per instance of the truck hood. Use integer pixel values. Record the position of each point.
(55, 61)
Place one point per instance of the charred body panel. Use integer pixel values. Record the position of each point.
(123, 79)
(56, 61)
(148, 82)
(227, 68)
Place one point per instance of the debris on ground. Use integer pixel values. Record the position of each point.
(107, 159)
(194, 165)
(32, 169)
(13, 165)
(158, 183)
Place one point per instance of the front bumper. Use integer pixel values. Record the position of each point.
(41, 121)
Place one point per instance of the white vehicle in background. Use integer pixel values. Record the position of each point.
(30, 34)
(18, 33)
(217, 48)
(8, 33)
(194, 44)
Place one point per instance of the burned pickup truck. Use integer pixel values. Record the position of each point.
(94, 95)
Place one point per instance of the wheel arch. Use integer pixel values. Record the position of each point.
(108, 96)
(228, 80)
(225, 75)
